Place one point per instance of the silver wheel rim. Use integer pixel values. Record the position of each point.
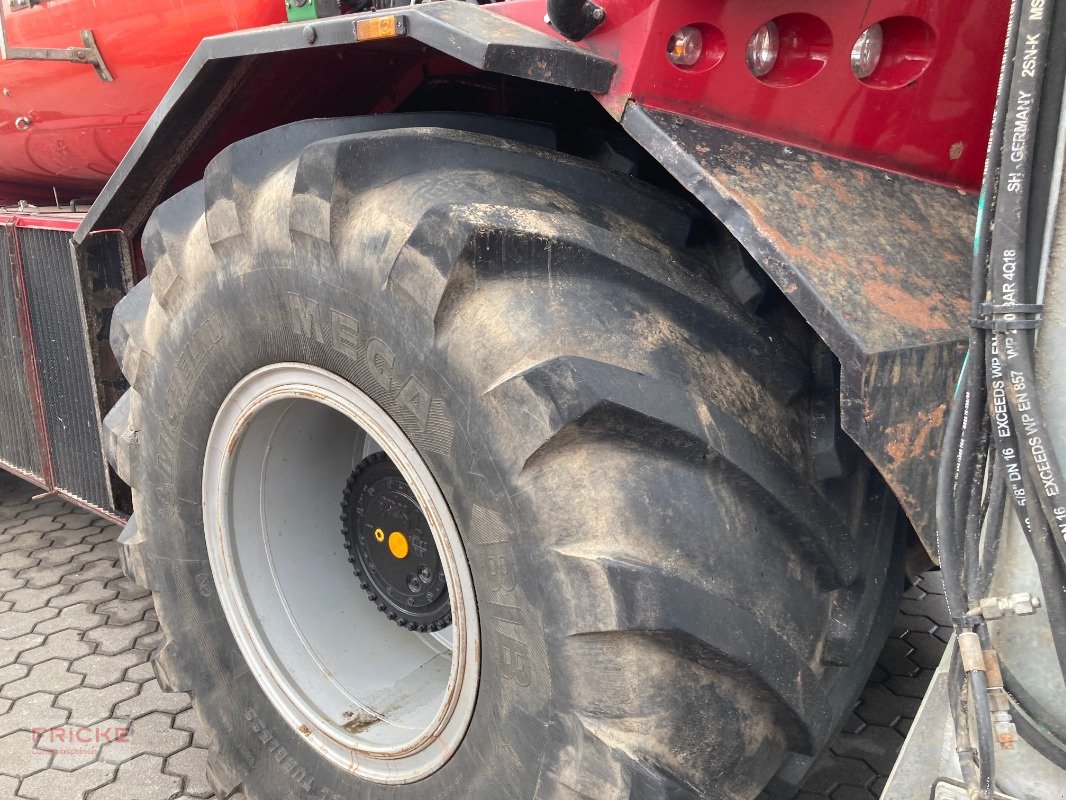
(384, 703)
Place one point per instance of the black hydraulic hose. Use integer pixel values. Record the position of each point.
(974, 520)
(993, 515)
(952, 563)
(960, 719)
(1041, 463)
(575, 19)
(973, 401)
(986, 738)
(951, 555)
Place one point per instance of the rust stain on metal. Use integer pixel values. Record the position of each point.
(361, 722)
(907, 308)
(915, 438)
(889, 250)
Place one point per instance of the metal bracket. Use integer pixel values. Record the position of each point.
(89, 54)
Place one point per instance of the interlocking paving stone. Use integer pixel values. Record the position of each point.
(20, 542)
(75, 521)
(72, 618)
(41, 524)
(30, 598)
(88, 705)
(11, 649)
(55, 783)
(17, 560)
(187, 721)
(151, 698)
(52, 676)
(102, 569)
(75, 746)
(114, 639)
(190, 764)
(9, 579)
(75, 642)
(51, 556)
(143, 672)
(67, 645)
(19, 757)
(153, 734)
(18, 623)
(140, 779)
(102, 670)
(88, 592)
(13, 672)
(42, 577)
(8, 786)
(32, 712)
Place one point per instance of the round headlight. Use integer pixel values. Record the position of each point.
(762, 49)
(685, 46)
(866, 54)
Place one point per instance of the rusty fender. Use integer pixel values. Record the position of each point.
(877, 263)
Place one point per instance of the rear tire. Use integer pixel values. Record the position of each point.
(671, 605)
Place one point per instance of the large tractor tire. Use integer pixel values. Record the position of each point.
(652, 592)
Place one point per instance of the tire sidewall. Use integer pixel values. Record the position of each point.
(246, 320)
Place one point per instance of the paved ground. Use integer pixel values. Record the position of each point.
(83, 718)
(81, 714)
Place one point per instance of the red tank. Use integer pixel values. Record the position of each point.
(61, 125)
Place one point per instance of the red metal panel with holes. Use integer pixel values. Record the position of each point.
(925, 112)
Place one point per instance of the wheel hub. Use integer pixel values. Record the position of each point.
(389, 541)
(386, 704)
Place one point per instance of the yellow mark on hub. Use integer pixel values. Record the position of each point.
(398, 545)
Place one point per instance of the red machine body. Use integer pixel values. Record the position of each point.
(925, 112)
(62, 126)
